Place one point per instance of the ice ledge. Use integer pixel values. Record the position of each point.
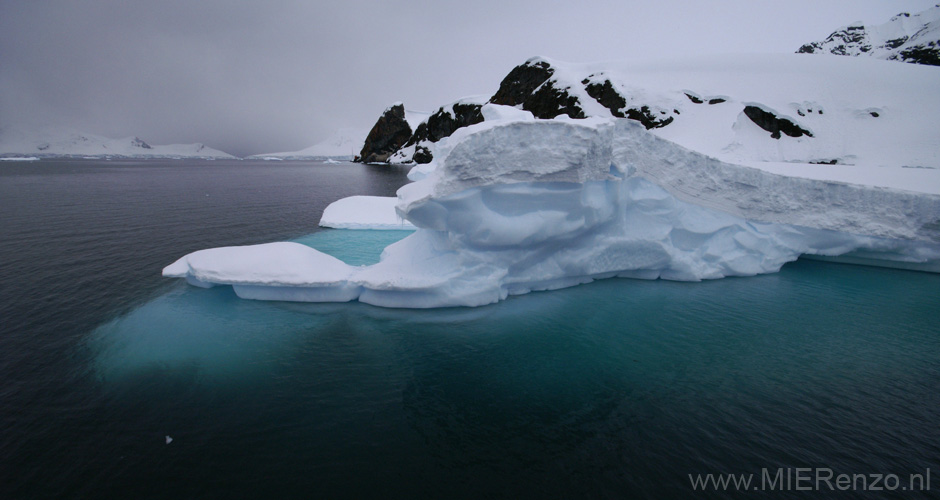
(520, 207)
(599, 149)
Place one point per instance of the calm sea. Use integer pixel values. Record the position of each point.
(616, 389)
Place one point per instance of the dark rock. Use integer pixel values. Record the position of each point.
(644, 116)
(874, 114)
(388, 134)
(897, 42)
(809, 48)
(833, 161)
(422, 155)
(443, 123)
(773, 124)
(548, 102)
(605, 94)
(138, 143)
(698, 100)
(928, 54)
(521, 82)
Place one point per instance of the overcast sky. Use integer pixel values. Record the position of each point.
(254, 77)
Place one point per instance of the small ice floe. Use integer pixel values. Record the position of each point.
(169, 440)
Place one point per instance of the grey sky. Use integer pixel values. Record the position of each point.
(253, 77)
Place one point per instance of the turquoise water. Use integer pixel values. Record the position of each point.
(619, 386)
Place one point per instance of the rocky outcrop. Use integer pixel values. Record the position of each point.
(389, 133)
(444, 122)
(530, 85)
(774, 124)
(607, 95)
(521, 82)
(912, 38)
(549, 101)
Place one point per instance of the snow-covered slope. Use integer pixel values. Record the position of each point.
(52, 142)
(345, 143)
(913, 38)
(743, 108)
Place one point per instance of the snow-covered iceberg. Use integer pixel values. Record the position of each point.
(364, 212)
(511, 206)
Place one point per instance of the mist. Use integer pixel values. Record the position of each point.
(256, 77)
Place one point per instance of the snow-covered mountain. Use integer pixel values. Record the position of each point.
(59, 142)
(345, 144)
(744, 108)
(913, 38)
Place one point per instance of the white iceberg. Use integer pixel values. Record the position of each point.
(514, 207)
(364, 212)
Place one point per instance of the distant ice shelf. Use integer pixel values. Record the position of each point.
(508, 207)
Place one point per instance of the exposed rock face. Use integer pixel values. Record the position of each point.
(390, 132)
(139, 143)
(529, 84)
(905, 37)
(607, 95)
(548, 102)
(774, 124)
(444, 122)
(521, 82)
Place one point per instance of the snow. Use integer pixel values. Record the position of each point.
(345, 143)
(19, 158)
(363, 212)
(860, 111)
(517, 206)
(62, 142)
(840, 92)
(884, 41)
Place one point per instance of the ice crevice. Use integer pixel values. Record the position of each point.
(538, 205)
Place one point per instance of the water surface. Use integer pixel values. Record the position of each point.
(619, 388)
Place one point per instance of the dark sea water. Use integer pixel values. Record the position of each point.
(616, 389)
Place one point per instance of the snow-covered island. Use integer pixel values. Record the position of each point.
(681, 170)
(912, 38)
(344, 145)
(65, 143)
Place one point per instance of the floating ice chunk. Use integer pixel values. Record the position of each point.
(364, 212)
(541, 205)
(169, 440)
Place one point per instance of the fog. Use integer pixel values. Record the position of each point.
(254, 77)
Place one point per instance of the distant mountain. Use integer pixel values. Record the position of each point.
(913, 38)
(345, 143)
(60, 142)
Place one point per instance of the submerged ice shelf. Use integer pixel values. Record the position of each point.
(516, 206)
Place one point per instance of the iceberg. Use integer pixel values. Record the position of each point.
(364, 212)
(512, 206)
